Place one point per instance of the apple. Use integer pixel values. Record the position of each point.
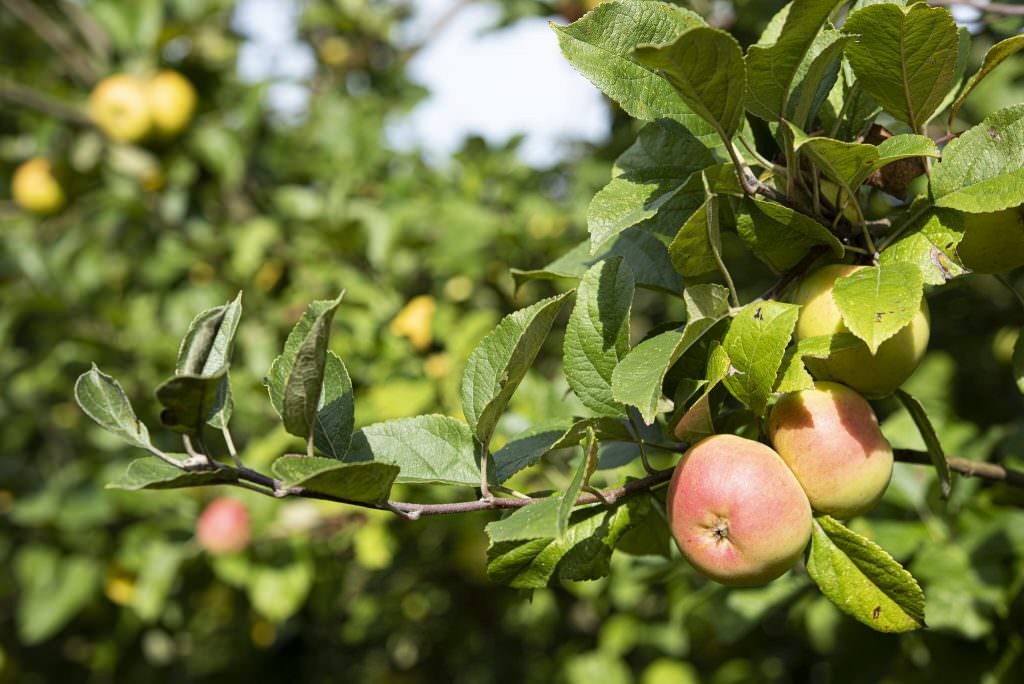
(172, 102)
(119, 106)
(415, 321)
(874, 375)
(993, 242)
(829, 437)
(35, 188)
(223, 526)
(737, 512)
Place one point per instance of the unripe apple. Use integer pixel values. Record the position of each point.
(875, 375)
(829, 437)
(35, 188)
(119, 106)
(223, 526)
(737, 512)
(172, 102)
(994, 242)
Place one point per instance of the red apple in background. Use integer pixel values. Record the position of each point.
(223, 527)
(737, 512)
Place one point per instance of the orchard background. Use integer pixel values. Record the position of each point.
(111, 585)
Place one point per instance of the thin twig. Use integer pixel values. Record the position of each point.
(28, 97)
(230, 443)
(965, 467)
(77, 61)
(485, 487)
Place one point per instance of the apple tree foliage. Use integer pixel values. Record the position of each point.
(837, 135)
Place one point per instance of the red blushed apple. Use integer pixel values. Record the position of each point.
(830, 439)
(223, 527)
(737, 512)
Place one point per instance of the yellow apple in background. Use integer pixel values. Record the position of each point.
(874, 375)
(172, 102)
(415, 321)
(119, 106)
(35, 188)
(994, 242)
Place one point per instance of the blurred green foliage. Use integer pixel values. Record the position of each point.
(101, 585)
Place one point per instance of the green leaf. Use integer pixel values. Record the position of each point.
(206, 347)
(335, 416)
(779, 236)
(878, 302)
(755, 343)
(281, 368)
(429, 448)
(499, 363)
(51, 590)
(538, 520)
(368, 482)
(646, 255)
(219, 356)
(195, 346)
(773, 64)
(705, 66)
(548, 518)
(691, 251)
(597, 335)
(931, 440)
(190, 400)
(638, 378)
(653, 197)
(103, 400)
(983, 169)
(582, 553)
(930, 245)
(849, 101)
(905, 58)
(667, 146)
(862, 580)
(794, 376)
(996, 55)
(152, 473)
(529, 446)
(600, 46)
(697, 422)
(816, 76)
(305, 382)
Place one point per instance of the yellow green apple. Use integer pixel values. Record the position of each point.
(119, 106)
(35, 188)
(172, 102)
(870, 374)
(993, 242)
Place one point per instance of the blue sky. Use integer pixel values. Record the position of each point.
(495, 84)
